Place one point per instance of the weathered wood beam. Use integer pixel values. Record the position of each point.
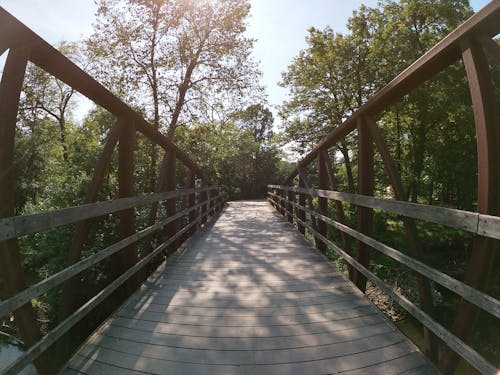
(11, 264)
(171, 204)
(459, 219)
(301, 214)
(339, 209)
(322, 202)
(423, 285)
(451, 340)
(365, 187)
(126, 151)
(488, 186)
(191, 201)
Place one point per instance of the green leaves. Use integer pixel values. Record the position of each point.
(159, 55)
(429, 131)
(239, 153)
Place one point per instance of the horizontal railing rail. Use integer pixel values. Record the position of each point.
(289, 208)
(36, 350)
(17, 226)
(43, 286)
(486, 302)
(473, 222)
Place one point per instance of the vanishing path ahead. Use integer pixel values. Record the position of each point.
(248, 295)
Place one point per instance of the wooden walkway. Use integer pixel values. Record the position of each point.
(248, 295)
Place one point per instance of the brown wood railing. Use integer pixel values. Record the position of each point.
(280, 199)
(471, 42)
(196, 205)
(32, 223)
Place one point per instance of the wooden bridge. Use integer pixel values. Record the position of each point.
(236, 301)
(211, 287)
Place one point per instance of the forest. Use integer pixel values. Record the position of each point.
(187, 67)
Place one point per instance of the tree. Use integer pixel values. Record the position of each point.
(44, 95)
(257, 121)
(240, 153)
(174, 58)
(402, 32)
(327, 83)
(337, 73)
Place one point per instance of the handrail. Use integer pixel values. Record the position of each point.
(43, 286)
(36, 350)
(486, 302)
(17, 226)
(473, 222)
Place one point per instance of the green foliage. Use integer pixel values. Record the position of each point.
(429, 132)
(238, 154)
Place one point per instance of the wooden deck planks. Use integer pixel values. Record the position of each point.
(248, 296)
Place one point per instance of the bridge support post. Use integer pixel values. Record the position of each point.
(301, 214)
(211, 194)
(69, 297)
(204, 208)
(126, 148)
(290, 207)
(365, 187)
(488, 200)
(191, 201)
(171, 204)
(11, 265)
(322, 202)
(339, 209)
(310, 203)
(278, 200)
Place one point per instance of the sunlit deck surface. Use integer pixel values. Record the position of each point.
(248, 295)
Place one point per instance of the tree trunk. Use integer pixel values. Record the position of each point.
(62, 137)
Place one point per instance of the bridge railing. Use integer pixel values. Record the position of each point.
(283, 199)
(13, 227)
(471, 42)
(187, 206)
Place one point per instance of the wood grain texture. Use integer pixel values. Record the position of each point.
(248, 295)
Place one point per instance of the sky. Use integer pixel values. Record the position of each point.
(280, 27)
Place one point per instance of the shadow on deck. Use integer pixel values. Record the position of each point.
(248, 295)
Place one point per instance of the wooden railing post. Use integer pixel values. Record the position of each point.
(279, 194)
(11, 266)
(69, 297)
(339, 209)
(365, 187)
(290, 207)
(305, 182)
(322, 202)
(191, 201)
(126, 149)
(204, 208)
(171, 204)
(301, 214)
(211, 195)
